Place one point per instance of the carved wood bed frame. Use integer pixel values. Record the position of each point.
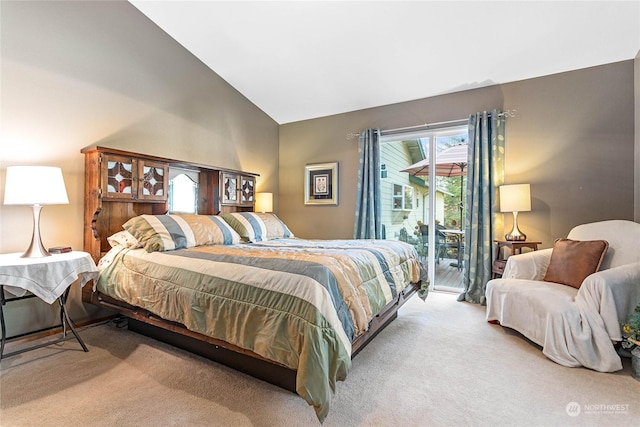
(104, 215)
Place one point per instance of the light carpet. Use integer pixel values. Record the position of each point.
(439, 364)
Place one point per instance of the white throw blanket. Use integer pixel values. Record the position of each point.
(575, 327)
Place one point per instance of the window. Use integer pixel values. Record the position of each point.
(402, 197)
(183, 191)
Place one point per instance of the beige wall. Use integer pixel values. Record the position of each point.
(637, 139)
(572, 140)
(76, 74)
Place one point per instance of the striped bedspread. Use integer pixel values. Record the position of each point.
(297, 302)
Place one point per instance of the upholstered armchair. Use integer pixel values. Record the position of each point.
(575, 319)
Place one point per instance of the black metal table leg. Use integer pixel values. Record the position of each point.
(64, 319)
(4, 331)
(67, 321)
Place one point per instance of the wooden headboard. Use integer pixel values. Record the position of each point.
(121, 184)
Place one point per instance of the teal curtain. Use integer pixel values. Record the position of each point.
(485, 173)
(368, 222)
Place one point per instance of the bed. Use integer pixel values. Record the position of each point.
(241, 289)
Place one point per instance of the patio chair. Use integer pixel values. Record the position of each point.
(454, 246)
(440, 242)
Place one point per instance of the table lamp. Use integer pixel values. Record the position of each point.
(35, 186)
(264, 202)
(515, 198)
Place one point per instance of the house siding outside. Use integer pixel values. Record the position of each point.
(395, 156)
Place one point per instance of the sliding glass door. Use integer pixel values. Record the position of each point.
(423, 200)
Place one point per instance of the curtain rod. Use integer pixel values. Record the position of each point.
(426, 126)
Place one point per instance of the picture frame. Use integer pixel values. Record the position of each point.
(321, 184)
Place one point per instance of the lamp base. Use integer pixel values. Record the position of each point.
(515, 238)
(516, 235)
(36, 248)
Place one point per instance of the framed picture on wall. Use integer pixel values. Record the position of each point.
(321, 184)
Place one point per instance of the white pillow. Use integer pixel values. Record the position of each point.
(125, 239)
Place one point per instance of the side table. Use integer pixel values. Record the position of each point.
(48, 278)
(516, 248)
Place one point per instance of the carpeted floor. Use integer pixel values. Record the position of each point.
(438, 364)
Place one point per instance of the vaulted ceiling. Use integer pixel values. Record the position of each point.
(305, 59)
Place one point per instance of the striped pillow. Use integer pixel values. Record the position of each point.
(157, 233)
(256, 227)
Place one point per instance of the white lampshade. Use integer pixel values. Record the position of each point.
(34, 185)
(515, 198)
(264, 202)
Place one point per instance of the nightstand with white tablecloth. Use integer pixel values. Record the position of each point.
(48, 278)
